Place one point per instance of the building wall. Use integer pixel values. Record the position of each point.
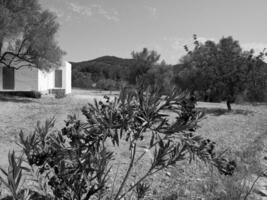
(68, 77)
(32, 79)
(45, 81)
(26, 79)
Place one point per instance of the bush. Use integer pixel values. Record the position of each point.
(256, 94)
(35, 94)
(82, 80)
(76, 162)
(28, 94)
(107, 84)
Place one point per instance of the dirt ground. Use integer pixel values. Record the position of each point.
(235, 131)
(23, 113)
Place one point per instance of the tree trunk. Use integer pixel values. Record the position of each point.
(1, 46)
(228, 103)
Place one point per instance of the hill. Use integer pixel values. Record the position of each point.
(109, 60)
(108, 70)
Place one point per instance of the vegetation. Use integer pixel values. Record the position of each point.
(76, 162)
(94, 73)
(27, 35)
(79, 161)
(221, 71)
(110, 73)
(212, 71)
(29, 94)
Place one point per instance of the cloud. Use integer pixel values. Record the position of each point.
(111, 15)
(82, 10)
(152, 11)
(174, 47)
(258, 47)
(94, 10)
(58, 8)
(178, 43)
(59, 13)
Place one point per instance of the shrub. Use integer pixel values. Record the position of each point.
(35, 94)
(107, 84)
(82, 80)
(256, 94)
(76, 162)
(13, 178)
(28, 94)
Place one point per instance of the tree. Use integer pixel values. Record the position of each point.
(161, 75)
(256, 76)
(144, 60)
(220, 70)
(27, 35)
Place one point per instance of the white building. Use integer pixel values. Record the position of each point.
(33, 79)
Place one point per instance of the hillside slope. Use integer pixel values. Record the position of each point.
(103, 70)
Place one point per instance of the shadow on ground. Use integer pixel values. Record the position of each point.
(223, 111)
(15, 99)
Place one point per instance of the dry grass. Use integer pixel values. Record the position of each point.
(236, 131)
(243, 134)
(23, 113)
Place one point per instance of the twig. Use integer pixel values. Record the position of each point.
(248, 193)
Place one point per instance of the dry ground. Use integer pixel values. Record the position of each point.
(22, 114)
(238, 131)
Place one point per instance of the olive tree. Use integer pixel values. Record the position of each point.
(27, 35)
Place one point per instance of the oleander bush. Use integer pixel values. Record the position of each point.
(76, 162)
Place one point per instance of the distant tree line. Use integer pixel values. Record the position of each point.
(211, 71)
(110, 73)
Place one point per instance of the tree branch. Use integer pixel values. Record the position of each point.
(127, 173)
(14, 55)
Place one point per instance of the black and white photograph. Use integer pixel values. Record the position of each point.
(133, 100)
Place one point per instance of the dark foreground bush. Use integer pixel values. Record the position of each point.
(76, 162)
(28, 94)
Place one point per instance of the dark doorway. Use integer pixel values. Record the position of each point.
(8, 78)
(58, 78)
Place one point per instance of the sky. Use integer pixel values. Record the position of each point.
(94, 28)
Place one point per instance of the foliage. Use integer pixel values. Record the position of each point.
(160, 75)
(27, 35)
(13, 178)
(107, 84)
(30, 94)
(81, 79)
(220, 71)
(76, 162)
(87, 73)
(108, 72)
(144, 61)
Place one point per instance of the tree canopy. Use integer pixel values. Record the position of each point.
(144, 60)
(221, 70)
(27, 35)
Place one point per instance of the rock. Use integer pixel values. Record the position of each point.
(168, 174)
